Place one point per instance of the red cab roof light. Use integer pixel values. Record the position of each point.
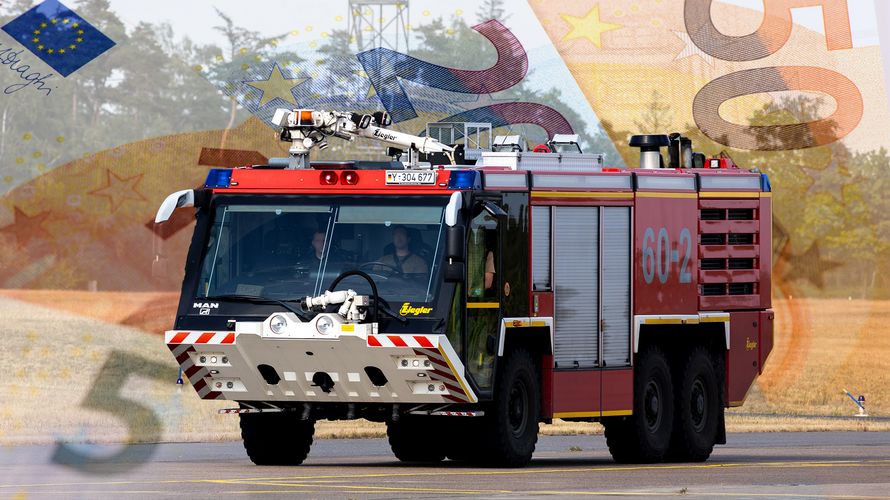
(328, 177)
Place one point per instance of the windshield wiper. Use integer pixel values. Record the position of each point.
(255, 299)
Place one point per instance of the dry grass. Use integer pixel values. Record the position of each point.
(50, 362)
(824, 346)
(52, 357)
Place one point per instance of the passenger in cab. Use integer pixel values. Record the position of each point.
(402, 258)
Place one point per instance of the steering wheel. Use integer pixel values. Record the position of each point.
(374, 294)
(393, 270)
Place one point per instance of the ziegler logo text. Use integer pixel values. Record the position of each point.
(409, 310)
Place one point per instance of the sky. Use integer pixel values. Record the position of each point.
(276, 16)
(284, 16)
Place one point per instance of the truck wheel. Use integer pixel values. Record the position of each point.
(698, 410)
(645, 436)
(415, 440)
(276, 438)
(511, 429)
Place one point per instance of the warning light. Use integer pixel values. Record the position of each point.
(328, 177)
(463, 179)
(305, 116)
(218, 178)
(350, 178)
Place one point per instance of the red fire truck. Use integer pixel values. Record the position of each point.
(464, 305)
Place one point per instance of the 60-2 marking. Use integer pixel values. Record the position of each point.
(657, 260)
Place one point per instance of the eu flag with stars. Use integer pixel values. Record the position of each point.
(54, 33)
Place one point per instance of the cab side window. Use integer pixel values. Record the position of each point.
(482, 250)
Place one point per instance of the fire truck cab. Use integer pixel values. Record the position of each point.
(464, 305)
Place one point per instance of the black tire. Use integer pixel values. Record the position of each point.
(510, 430)
(414, 439)
(276, 438)
(645, 436)
(698, 409)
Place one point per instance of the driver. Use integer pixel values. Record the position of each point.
(313, 259)
(314, 256)
(402, 258)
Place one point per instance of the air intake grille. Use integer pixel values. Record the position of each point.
(729, 253)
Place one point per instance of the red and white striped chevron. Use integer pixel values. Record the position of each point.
(194, 373)
(442, 373)
(402, 341)
(202, 338)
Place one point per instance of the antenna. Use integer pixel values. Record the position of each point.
(379, 23)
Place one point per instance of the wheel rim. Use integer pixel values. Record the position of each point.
(517, 408)
(652, 411)
(698, 405)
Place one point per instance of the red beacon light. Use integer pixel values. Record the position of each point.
(328, 177)
(350, 177)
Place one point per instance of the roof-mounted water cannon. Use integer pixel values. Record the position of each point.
(650, 149)
(307, 128)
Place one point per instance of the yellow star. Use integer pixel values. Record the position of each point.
(72, 47)
(54, 21)
(36, 32)
(80, 32)
(43, 25)
(74, 25)
(66, 20)
(78, 40)
(40, 47)
(35, 40)
(276, 86)
(61, 51)
(590, 27)
(49, 51)
(118, 190)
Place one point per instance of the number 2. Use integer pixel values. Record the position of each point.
(685, 275)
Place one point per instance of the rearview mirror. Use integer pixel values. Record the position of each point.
(179, 199)
(455, 253)
(456, 244)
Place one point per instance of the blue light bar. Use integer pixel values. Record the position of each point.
(464, 179)
(218, 178)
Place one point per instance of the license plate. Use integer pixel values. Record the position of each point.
(408, 177)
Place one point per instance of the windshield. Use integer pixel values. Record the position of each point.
(296, 248)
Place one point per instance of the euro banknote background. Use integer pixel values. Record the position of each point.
(796, 88)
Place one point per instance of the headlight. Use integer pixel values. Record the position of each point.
(324, 325)
(278, 323)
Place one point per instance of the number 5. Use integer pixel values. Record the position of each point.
(142, 423)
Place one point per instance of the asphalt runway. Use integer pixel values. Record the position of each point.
(769, 465)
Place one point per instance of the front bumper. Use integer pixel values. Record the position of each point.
(236, 365)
